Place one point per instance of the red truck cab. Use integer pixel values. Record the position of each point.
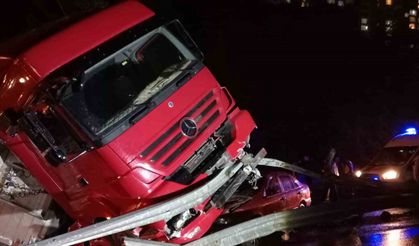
(118, 111)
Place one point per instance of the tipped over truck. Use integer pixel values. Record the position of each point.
(118, 112)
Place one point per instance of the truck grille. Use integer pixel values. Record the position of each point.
(198, 113)
(205, 157)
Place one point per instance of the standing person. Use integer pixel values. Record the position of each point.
(347, 169)
(330, 192)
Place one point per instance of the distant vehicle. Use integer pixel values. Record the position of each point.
(277, 191)
(394, 163)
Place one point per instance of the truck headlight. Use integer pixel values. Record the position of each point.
(390, 174)
(358, 173)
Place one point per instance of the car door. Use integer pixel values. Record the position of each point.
(274, 199)
(290, 192)
(301, 193)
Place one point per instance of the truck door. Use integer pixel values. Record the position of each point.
(79, 169)
(54, 142)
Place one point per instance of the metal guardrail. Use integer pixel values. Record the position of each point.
(269, 162)
(282, 221)
(128, 241)
(161, 211)
(337, 179)
(240, 233)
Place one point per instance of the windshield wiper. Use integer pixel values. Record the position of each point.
(190, 67)
(186, 73)
(173, 72)
(142, 108)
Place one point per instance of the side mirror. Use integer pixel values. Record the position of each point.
(56, 157)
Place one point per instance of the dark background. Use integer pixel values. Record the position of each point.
(309, 76)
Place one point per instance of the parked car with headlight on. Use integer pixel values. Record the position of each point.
(396, 162)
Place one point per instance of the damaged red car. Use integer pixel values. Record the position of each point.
(275, 192)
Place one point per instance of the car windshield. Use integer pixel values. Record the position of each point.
(394, 155)
(123, 82)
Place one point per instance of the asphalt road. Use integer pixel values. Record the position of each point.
(399, 227)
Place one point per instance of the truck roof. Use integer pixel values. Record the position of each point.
(63, 47)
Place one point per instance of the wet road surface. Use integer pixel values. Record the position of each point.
(399, 228)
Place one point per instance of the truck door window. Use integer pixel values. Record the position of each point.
(50, 135)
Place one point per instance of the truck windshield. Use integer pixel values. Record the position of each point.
(394, 156)
(124, 82)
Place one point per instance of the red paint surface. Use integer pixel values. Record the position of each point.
(118, 179)
(73, 42)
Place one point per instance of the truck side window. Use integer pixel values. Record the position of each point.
(51, 136)
(60, 133)
(273, 186)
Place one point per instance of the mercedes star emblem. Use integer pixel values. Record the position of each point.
(188, 127)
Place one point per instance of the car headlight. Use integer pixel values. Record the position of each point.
(390, 174)
(358, 173)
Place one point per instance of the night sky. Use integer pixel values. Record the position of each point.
(309, 77)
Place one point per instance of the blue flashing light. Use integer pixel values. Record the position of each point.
(410, 131)
(411, 232)
(375, 178)
(373, 239)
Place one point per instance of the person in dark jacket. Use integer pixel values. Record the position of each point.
(330, 169)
